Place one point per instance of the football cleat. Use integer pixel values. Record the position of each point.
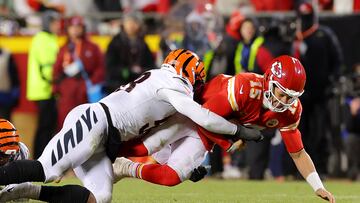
(122, 168)
(19, 191)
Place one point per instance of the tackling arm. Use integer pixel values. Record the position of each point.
(201, 116)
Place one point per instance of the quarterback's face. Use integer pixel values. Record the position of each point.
(281, 98)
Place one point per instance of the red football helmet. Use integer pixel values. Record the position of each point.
(287, 74)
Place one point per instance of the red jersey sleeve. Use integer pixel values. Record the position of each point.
(292, 140)
(290, 134)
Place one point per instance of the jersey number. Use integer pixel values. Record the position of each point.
(146, 128)
(255, 91)
(131, 85)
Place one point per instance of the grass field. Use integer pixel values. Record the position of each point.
(211, 190)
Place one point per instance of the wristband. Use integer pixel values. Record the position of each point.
(314, 180)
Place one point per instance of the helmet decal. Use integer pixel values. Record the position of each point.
(276, 69)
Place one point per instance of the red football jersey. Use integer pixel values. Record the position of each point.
(241, 98)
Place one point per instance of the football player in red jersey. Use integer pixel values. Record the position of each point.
(259, 101)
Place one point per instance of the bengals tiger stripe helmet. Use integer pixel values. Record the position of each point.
(9, 141)
(187, 64)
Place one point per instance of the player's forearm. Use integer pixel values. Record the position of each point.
(303, 162)
(307, 169)
(201, 116)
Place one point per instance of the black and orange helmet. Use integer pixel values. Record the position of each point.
(187, 64)
(9, 138)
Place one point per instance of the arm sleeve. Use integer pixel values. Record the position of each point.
(292, 140)
(201, 116)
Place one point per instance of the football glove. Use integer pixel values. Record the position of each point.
(248, 134)
(198, 174)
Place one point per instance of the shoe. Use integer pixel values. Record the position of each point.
(231, 172)
(19, 191)
(122, 168)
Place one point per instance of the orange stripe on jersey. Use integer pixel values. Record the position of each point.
(231, 94)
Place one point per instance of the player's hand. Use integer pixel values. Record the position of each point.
(198, 173)
(236, 146)
(326, 195)
(248, 134)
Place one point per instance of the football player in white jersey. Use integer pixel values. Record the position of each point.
(89, 139)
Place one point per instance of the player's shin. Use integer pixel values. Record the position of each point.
(21, 171)
(154, 173)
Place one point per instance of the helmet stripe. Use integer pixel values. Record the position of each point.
(4, 130)
(9, 136)
(185, 64)
(183, 51)
(8, 144)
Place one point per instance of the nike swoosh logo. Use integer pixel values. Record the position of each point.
(10, 189)
(241, 92)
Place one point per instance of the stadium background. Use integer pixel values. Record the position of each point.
(347, 29)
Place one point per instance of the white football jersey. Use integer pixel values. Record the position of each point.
(137, 107)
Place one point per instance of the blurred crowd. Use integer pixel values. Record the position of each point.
(225, 34)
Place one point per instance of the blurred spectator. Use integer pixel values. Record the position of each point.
(108, 5)
(196, 38)
(319, 51)
(223, 53)
(6, 7)
(77, 57)
(352, 120)
(250, 54)
(42, 56)
(9, 84)
(127, 55)
(82, 8)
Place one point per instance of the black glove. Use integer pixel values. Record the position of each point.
(198, 174)
(248, 134)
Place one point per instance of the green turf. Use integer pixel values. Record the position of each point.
(210, 190)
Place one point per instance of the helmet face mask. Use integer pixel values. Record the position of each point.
(284, 83)
(277, 104)
(5, 158)
(186, 64)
